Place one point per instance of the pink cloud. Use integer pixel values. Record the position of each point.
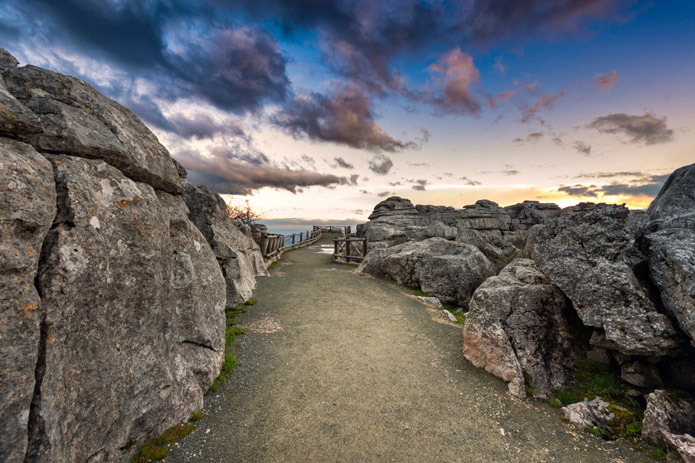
(458, 75)
(606, 81)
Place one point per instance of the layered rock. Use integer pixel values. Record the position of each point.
(28, 205)
(517, 326)
(112, 301)
(445, 269)
(670, 421)
(238, 255)
(670, 241)
(595, 413)
(593, 257)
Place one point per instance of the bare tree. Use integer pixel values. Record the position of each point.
(243, 212)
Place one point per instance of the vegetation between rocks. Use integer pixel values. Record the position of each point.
(230, 334)
(452, 309)
(156, 448)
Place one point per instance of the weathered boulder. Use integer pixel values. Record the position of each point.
(15, 119)
(676, 197)
(517, 324)
(112, 301)
(133, 316)
(595, 413)
(490, 243)
(445, 269)
(484, 215)
(77, 120)
(590, 254)
(529, 213)
(670, 421)
(238, 255)
(28, 205)
(670, 243)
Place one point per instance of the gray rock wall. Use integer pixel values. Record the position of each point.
(111, 299)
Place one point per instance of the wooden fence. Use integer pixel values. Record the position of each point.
(273, 245)
(349, 249)
(344, 229)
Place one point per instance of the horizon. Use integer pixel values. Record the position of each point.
(324, 110)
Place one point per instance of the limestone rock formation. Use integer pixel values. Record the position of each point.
(28, 205)
(670, 421)
(77, 120)
(238, 255)
(445, 269)
(112, 301)
(517, 324)
(670, 240)
(593, 258)
(593, 413)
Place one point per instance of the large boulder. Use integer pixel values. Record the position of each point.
(133, 316)
(112, 301)
(670, 242)
(238, 255)
(670, 421)
(77, 120)
(592, 256)
(445, 269)
(484, 215)
(518, 325)
(28, 205)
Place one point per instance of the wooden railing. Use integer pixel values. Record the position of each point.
(273, 244)
(344, 229)
(349, 249)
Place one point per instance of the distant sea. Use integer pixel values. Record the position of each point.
(289, 231)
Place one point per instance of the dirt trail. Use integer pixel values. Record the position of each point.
(341, 368)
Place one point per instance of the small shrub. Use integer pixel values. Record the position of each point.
(196, 416)
(528, 386)
(251, 301)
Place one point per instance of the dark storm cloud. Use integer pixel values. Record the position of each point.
(345, 117)
(235, 68)
(228, 173)
(380, 164)
(647, 129)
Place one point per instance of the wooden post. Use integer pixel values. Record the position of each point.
(364, 247)
(335, 247)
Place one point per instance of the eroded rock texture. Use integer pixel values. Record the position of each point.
(517, 324)
(670, 421)
(28, 205)
(238, 254)
(445, 269)
(111, 299)
(592, 256)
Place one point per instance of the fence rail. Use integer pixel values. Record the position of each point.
(349, 249)
(272, 244)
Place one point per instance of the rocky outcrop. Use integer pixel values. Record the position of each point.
(112, 301)
(596, 413)
(238, 255)
(517, 326)
(590, 254)
(670, 243)
(670, 421)
(28, 205)
(445, 269)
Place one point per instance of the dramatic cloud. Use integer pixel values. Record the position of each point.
(420, 185)
(606, 81)
(646, 185)
(340, 162)
(384, 194)
(579, 190)
(544, 102)
(456, 74)
(611, 174)
(532, 137)
(647, 129)
(470, 182)
(380, 164)
(395, 183)
(228, 173)
(344, 117)
(582, 148)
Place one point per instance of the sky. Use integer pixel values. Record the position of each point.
(317, 110)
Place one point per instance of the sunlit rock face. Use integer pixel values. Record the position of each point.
(112, 300)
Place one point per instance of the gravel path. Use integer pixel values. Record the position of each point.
(341, 368)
